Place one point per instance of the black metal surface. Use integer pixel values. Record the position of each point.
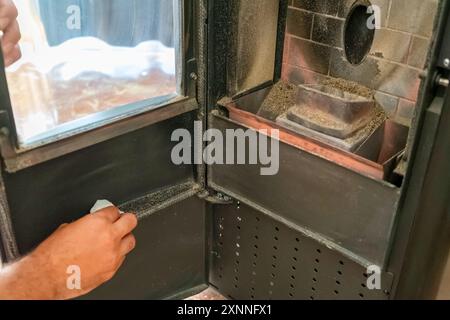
(428, 243)
(282, 19)
(420, 246)
(421, 220)
(445, 49)
(8, 239)
(252, 54)
(255, 257)
(222, 41)
(122, 169)
(169, 257)
(347, 208)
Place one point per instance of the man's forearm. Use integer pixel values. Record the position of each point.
(27, 280)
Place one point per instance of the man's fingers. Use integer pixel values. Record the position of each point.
(8, 14)
(127, 245)
(11, 36)
(110, 213)
(11, 32)
(125, 224)
(12, 56)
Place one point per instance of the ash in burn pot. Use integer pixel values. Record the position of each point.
(281, 98)
(336, 112)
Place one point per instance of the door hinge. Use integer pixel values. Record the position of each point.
(442, 81)
(215, 197)
(440, 78)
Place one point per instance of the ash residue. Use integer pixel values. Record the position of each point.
(378, 118)
(157, 198)
(224, 101)
(318, 117)
(331, 126)
(281, 98)
(350, 87)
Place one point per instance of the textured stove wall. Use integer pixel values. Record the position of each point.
(254, 28)
(313, 49)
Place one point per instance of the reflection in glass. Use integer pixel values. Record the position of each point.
(83, 57)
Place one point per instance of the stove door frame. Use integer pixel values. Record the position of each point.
(129, 163)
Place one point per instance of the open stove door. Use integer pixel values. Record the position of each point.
(128, 162)
(324, 223)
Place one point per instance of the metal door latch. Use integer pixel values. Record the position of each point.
(442, 81)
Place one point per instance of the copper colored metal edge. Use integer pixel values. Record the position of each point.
(342, 158)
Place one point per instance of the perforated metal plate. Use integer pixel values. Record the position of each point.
(257, 257)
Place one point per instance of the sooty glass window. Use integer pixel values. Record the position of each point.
(84, 60)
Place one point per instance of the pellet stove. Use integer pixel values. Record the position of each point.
(341, 87)
(344, 96)
(358, 93)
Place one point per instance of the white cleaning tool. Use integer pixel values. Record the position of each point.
(102, 204)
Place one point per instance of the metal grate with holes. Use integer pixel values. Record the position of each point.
(257, 257)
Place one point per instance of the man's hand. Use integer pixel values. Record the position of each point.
(96, 244)
(11, 32)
